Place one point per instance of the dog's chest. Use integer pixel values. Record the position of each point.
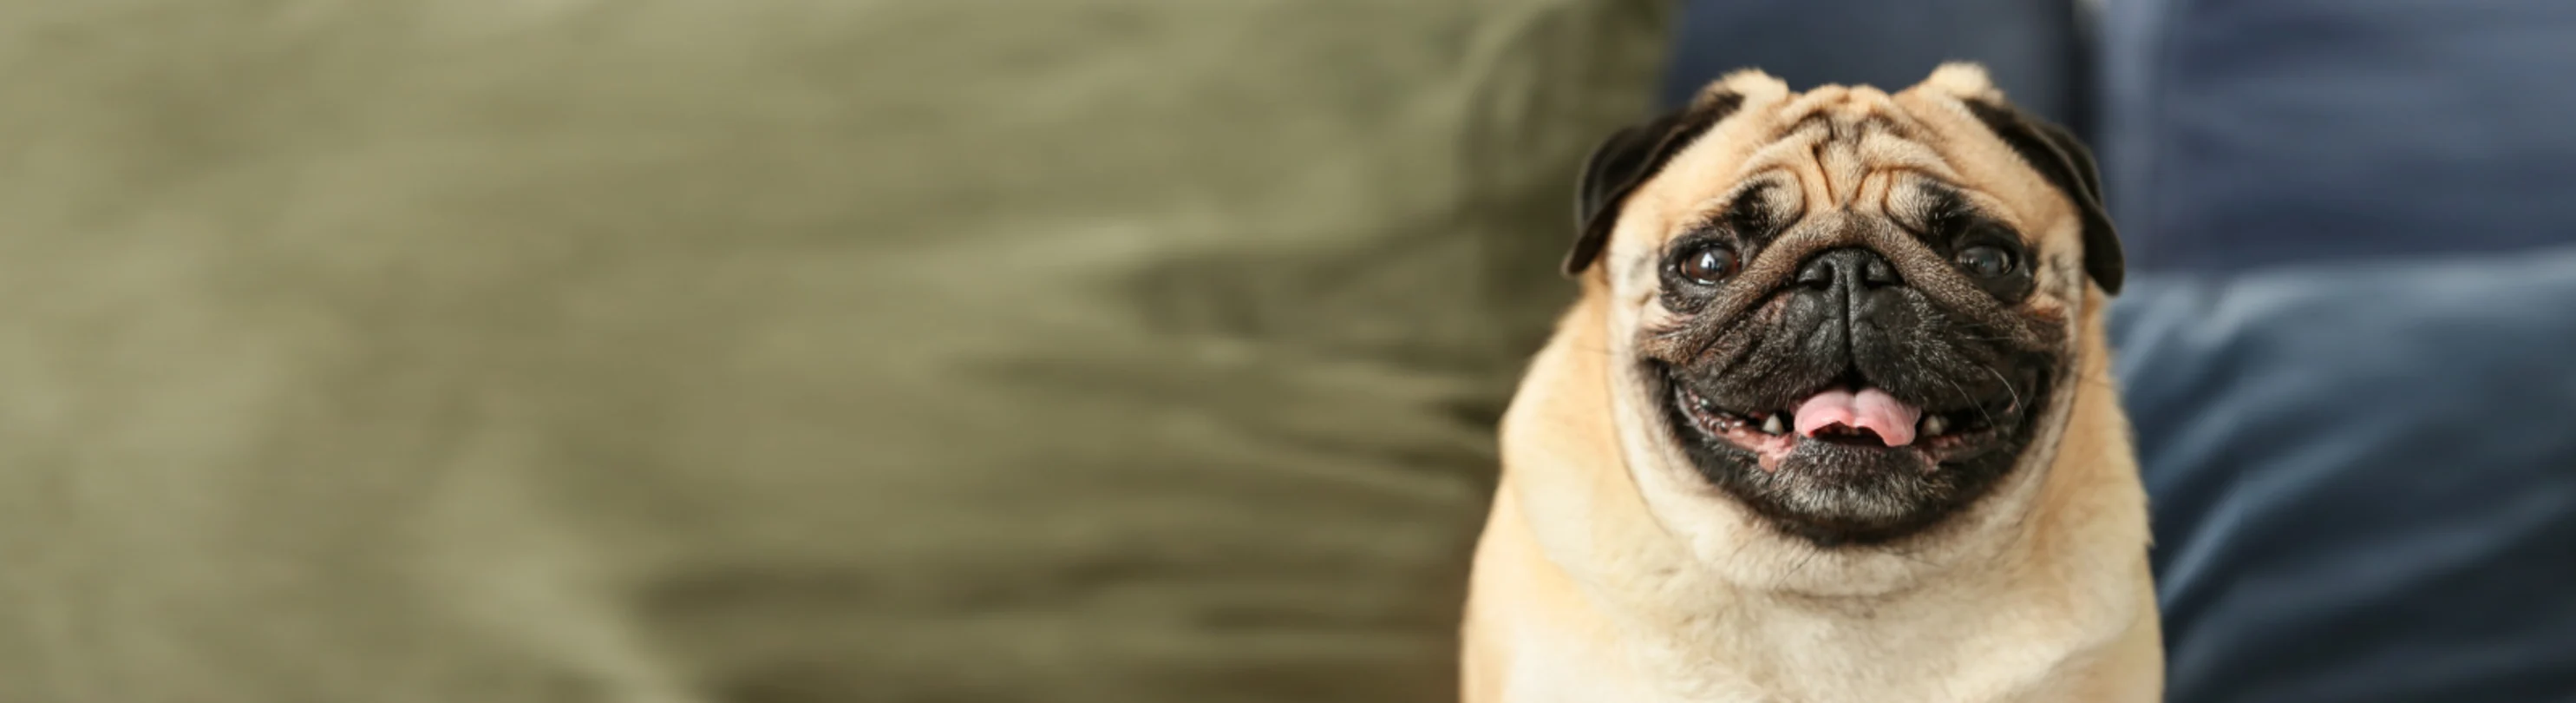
(1812, 666)
(1546, 674)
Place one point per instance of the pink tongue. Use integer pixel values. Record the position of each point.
(1870, 409)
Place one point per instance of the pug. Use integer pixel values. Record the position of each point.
(1832, 419)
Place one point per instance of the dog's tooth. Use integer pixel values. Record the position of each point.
(1934, 425)
(1772, 426)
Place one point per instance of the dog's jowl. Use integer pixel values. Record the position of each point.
(1832, 420)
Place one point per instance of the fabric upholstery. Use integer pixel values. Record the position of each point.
(2247, 134)
(2362, 482)
(770, 351)
(2345, 352)
(2036, 50)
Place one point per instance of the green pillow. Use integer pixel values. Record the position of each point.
(765, 351)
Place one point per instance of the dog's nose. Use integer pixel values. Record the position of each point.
(1852, 269)
(1854, 294)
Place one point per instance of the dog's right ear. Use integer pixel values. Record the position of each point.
(1625, 160)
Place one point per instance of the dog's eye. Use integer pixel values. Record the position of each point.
(1706, 264)
(1986, 261)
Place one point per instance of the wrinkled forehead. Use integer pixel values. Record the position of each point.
(1850, 149)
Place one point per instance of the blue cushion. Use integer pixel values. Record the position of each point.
(2246, 134)
(2364, 478)
(2030, 46)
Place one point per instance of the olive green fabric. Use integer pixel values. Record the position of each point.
(769, 351)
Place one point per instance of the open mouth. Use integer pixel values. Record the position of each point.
(1859, 417)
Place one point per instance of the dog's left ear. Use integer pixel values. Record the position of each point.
(2064, 161)
(1624, 161)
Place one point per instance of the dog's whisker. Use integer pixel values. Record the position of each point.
(1970, 401)
(2008, 386)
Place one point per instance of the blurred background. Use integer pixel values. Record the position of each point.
(793, 351)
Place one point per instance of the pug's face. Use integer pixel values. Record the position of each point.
(1851, 312)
